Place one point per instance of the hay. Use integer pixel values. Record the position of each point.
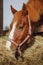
(33, 55)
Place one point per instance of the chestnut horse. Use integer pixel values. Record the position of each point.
(23, 25)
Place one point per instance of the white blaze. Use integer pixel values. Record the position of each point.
(8, 44)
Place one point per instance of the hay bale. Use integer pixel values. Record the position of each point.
(33, 55)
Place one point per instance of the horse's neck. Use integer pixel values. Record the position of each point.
(35, 9)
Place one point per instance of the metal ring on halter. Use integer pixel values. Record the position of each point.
(18, 47)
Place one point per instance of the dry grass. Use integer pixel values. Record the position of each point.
(32, 55)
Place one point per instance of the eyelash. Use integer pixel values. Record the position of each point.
(21, 27)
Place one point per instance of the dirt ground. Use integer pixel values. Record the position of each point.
(33, 55)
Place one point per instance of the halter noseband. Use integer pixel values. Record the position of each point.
(18, 46)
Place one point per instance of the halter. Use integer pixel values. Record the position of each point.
(18, 46)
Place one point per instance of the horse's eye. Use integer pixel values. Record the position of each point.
(21, 27)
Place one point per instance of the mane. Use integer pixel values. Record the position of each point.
(35, 9)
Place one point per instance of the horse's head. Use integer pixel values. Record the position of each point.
(19, 27)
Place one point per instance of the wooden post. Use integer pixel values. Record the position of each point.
(1, 17)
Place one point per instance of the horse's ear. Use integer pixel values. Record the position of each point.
(24, 9)
(13, 10)
(24, 6)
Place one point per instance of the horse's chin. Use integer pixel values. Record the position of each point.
(8, 45)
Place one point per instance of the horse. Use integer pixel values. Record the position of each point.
(23, 25)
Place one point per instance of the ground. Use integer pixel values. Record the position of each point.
(33, 55)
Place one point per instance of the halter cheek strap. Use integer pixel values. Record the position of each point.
(18, 46)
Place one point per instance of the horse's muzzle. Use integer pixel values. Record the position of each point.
(18, 53)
